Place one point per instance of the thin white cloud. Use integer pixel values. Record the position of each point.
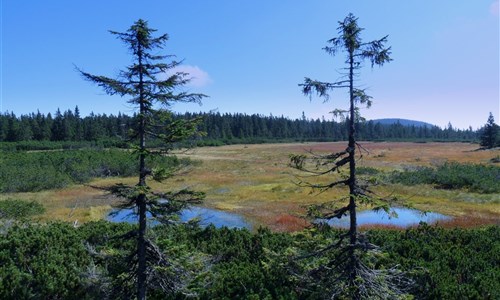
(199, 78)
(495, 8)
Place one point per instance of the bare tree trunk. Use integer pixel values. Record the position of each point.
(141, 249)
(141, 199)
(141, 238)
(352, 175)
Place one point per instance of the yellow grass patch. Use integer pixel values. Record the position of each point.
(79, 203)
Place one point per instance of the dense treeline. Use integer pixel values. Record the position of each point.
(58, 261)
(255, 128)
(63, 126)
(219, 128)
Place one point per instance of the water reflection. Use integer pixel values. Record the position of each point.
(207, 216)
(405, 217)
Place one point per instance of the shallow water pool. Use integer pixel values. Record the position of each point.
(207, 216)
(405, 217)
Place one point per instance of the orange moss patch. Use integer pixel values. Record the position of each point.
(289, 223)
(470, 221)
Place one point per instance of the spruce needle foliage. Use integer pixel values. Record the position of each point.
(348, 272)
(490, 137)
(152, 86)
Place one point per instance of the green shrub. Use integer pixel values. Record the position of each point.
(36, 171)
(18, 209)
(367, 171)
(42, 262)
(446, 263)
(473, 177)
(52, 262)
(62, 145)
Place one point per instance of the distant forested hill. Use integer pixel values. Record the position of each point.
(220, 128)
(404, 122)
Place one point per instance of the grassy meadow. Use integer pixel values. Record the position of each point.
(256, 182)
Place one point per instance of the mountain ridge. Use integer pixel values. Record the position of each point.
(404, 122)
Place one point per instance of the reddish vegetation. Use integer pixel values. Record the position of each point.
(289, 223)
(407, 153)
(470, 221)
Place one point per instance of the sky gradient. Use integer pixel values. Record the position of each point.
(250, 56)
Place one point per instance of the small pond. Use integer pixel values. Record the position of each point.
(405, 217)
(207, 216)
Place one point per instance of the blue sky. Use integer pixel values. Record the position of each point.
(250, 56)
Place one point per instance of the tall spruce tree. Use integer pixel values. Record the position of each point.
(489, 136)
(152, 87)
(346, 275)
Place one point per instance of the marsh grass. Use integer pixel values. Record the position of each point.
(256, 182)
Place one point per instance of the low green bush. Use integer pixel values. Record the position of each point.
(18, 209)
(57, 261)
(367, 171)
(472, 177)
(42, 262)
(61, 145)
(36, 171)
(446, 263)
